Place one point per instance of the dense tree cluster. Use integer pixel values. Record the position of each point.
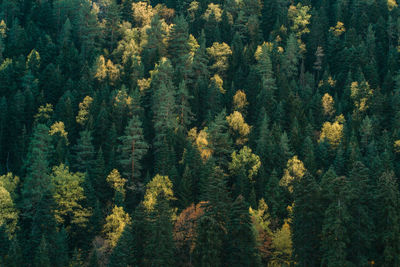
(199, 133)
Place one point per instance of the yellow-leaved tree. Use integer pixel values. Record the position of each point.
(332, 132)
(294, 171)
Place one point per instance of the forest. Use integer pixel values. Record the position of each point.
(199, 133)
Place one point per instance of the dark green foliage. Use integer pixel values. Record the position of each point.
(159, 248)
(241, 240)
(388, 200)
(123, 254)
(100, 86)
(132, 149)
(307, 223)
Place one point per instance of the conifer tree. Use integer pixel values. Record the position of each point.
(241, 245)
(220, 141)
(159, 248)
(37, 182)
(389, 232)
(307, 224)
(123, 254)
(335, 231)
(132, 149)
(178, 47)
(361, 224)
(42, 255)
(85, 153)
(164, 125)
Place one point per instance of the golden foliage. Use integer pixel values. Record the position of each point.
(239, 126)
(328, 104)
(361, 93)
(282, 245)
(339, 29)
(201, 140)
(245, 159)
(59, 128)
(83, 113)
(391, 4)
(240, 101)
(266, 45)
(397, 146)
(261, 221)
(8, 211)
(219, 53)
(213, 9)
(115, 180)
(142, 13)
(332, 132)
(144, 84)
(217, 80)
(115, 225)
(300, 17)
(294, 171)
(44, 112)
(157, 185)
(123, 98)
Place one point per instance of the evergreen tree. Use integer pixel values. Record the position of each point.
(241, 244)
(388, 199)
(220, 141)
(132, 149)
(335, 231)
(159, 248)
(307, 224)
(123, 254)
(361, 224)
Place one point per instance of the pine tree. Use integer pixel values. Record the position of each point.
(14, 258)
(139, 234)
(4, 244)
(113, 17)
(60, 252)
(132, 149)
